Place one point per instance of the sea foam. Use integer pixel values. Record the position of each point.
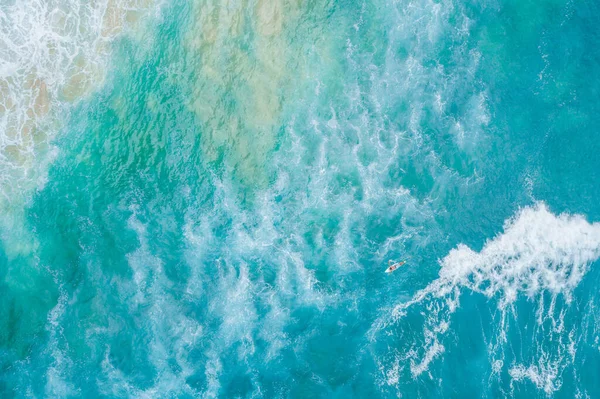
(537, 251)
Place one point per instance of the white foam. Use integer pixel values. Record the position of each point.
(246, 308)
(544, 375)
(538, 252)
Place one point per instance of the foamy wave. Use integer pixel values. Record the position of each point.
(538, 253)
(254, 278)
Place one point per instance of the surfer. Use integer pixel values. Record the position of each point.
(393, 266)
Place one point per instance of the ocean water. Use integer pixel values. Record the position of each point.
(199, 198)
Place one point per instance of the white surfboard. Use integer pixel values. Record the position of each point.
(393, 266)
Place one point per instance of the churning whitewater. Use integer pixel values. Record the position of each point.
(201, 198)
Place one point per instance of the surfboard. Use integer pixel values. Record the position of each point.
(394, 266)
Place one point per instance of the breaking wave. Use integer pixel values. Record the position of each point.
(539, 256)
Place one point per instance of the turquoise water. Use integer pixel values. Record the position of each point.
(200, 199)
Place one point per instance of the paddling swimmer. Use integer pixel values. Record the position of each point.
(393, 266)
